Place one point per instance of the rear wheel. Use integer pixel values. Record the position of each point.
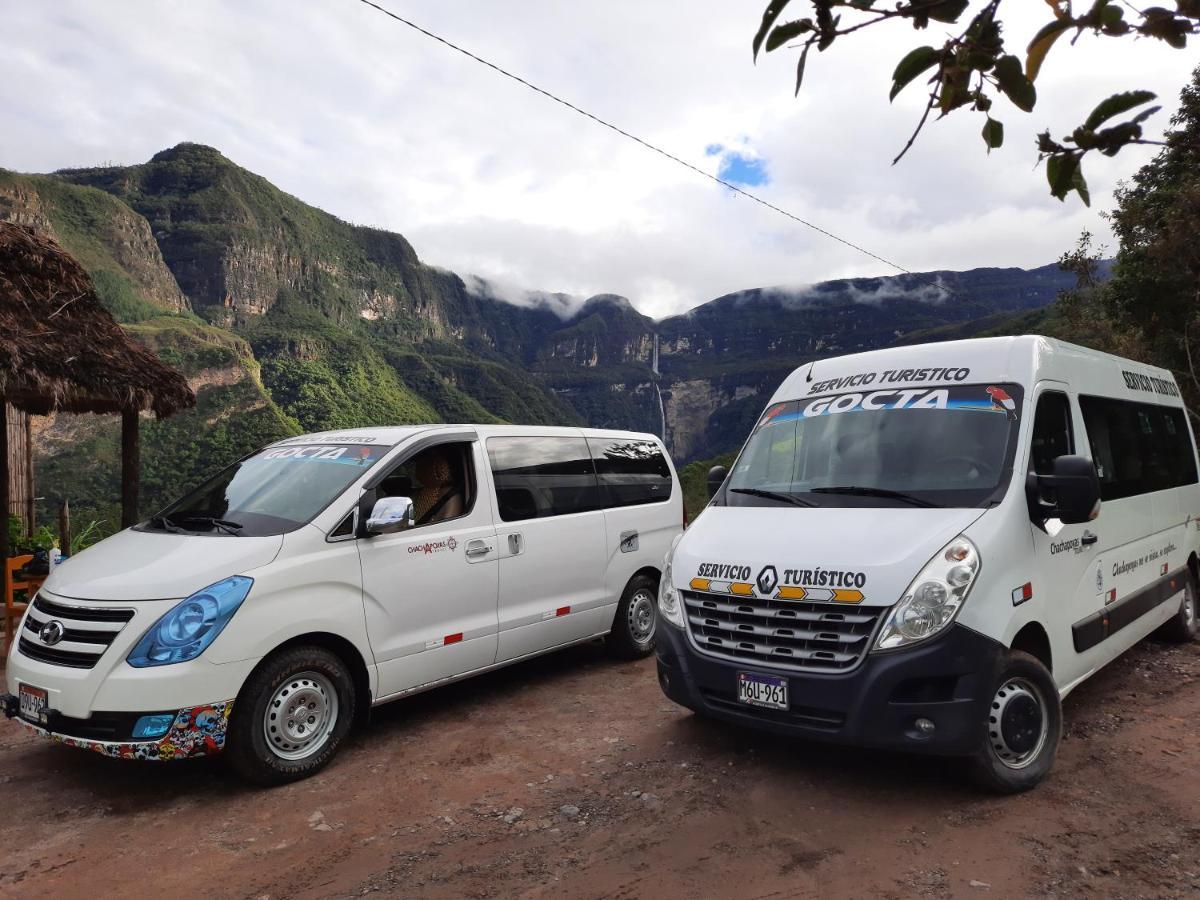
(1022, 729)
(1185, 624)
(632, 635)
(291, 716)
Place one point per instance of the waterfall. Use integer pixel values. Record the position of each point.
(662, 413)
(654, 358)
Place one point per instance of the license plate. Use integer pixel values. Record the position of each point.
(33, 702)
(767, 691)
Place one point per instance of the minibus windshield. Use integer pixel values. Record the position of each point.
(274, 491)
(945, 446)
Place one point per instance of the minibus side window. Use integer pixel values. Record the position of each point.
(1137, 447)
(537, 477)
(1052, 434)
(630, 471)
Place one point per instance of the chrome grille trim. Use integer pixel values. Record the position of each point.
(87, 632)
(789, 634)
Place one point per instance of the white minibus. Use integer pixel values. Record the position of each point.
(925, 548)
(278, 602)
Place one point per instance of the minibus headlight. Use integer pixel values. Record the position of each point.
(191, 625)
(934, 597)
(668, 598)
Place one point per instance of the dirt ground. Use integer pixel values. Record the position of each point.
(572, 776)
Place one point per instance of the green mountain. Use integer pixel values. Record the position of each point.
(287, 319)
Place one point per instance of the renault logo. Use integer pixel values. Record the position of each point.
(52, 632)
(766, 581)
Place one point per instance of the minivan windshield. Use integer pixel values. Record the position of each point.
(271, 492)
(945, 446)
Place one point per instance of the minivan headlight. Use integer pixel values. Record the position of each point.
(187, 629)
(934, 597)
(668, 597)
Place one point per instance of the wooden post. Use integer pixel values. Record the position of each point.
(30, 485)
(5, 550)
(130, 467)
(64, 528)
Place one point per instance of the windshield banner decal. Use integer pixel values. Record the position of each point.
(354, 456)
(989, 398)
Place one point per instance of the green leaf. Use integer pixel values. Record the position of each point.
(800, 68)
(1060, 172)
(770, 14)
(993, 134)
(947, 10)
(1041, 44)
(1115, 105)
(916, 62)
(1011, 78)
(1080, 186)
(787, 31)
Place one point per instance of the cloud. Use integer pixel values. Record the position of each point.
(363, 117)
(871, 292)
(562, 305)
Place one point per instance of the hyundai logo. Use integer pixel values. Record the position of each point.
(52, 632)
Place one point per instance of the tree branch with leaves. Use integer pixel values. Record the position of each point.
(973, 67)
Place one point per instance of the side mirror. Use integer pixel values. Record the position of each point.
(391, 514)
(716, 478)
(1071, 494)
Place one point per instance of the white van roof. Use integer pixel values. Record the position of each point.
(391, 435)
(1023, 360)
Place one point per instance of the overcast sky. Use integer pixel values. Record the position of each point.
(375, 123)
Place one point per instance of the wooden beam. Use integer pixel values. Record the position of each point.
(5, 550)
(130, 467)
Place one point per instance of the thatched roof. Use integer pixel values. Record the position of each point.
(61, 349)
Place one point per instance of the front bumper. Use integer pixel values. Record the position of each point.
(195, 731)
(948, 681)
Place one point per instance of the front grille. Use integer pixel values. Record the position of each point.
(87, 633)
(823, 637)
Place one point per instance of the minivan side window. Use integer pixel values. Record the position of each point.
(439, 480)
(630, 471)
(538, 477)
(1137, 447)
(1052, 435)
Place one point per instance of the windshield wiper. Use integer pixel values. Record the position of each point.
(863, 491)
(224, 524)
(166, 525)
(773, 495)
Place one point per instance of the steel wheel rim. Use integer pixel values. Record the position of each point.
(1013, 738)
(641, 616)
(1189, 607)
(300, 716)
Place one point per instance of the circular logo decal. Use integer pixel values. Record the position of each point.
(52, 632)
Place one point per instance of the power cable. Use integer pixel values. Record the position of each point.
(634, 137)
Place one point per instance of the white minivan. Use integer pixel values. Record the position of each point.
(924, 548)
(328, 573)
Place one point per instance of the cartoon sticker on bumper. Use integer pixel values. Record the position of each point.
(196, 731)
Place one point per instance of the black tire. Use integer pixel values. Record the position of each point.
(315, 674)
(632, 635)
(1183, 627)
(1022, 729)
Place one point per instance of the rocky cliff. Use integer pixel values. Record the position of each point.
(287, 318)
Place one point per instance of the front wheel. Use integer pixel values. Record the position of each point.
(291, 716)
(632, 635)
(1022, 728)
